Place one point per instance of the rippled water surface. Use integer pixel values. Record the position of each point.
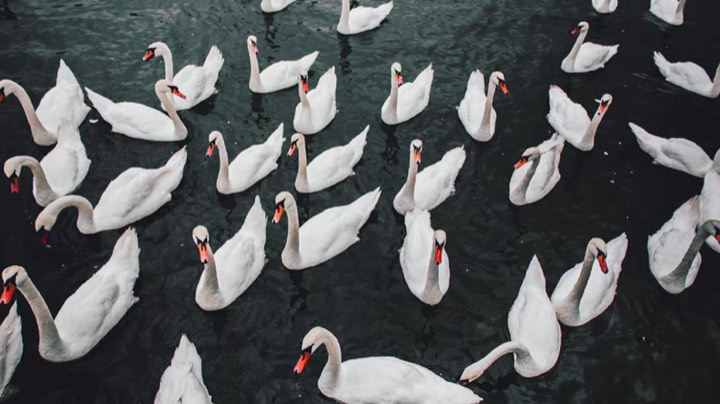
(648, 347)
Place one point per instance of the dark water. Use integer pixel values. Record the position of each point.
(648, 347)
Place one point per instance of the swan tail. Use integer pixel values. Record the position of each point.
(214, 60)
(383, 10)
(186, 354)
(276, 138)
(127, 250)
(64, 74)
(359, 141)
(476, 82)
(174, 381)
(328, 81)
(662, 63)
(650, 143)
(178, 159)
(366, 204)
(11, 340)
(425, 78)
(256, 222)
(307, 61)
(617, 248)
(67, 131)
(100, 103)
(172, 171)
(534, 276)
(556, 94)
(455, 159)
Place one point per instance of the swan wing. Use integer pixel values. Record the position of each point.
(414, 97)
(687, 75)
(335, 164)
(416, 249)
(568, 118)
(11, 346)
(66, 165)
(547, 173)
(65, 101)
(472, 106)
(667, 247)
(593, 56)
(367, 18)
(437, 182)
(256, 162)
(600, 290)
(182, 381)
(709, 205)
(676, 153)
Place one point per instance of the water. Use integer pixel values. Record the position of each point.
(648, 347)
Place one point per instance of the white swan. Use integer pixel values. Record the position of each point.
(476, 111)
(329, 167)
(676, 153)
(324, 235)
(535, 335)
(250, 166)
(588, 56)
(674, 250)
(670, 11)
(423, 258)
(142, 122)
(316, 108)
(710, 198)
(273, 6)
(64, 101)
(132, 195)
(431, 186)
(586, 290)
(235, 266)
(378, 379)
(58, 173)
(408, 100)
(182, 381)
(361, 19)
(89, 313)
(605, 6)
(570, 120)
(11, 345)
(537, 172)
(689, 76)
(277, 76)
(197, 82)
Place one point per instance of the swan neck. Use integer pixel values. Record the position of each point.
(589, 137)
(168, 61)
(392, 105)
(411, 179)
(42, 188)
(503, 349)
(292, 244)
(683, 267)
(576, 48)
(522, 187)
(85, 221)
(577, 291)
(223, 170)
(39, 133)
(432, 281)
(254, 69)
(488, 104)
(210, 281)
(180, 128)
(345, 14)
(331, 372)
(302, 162)
(48, 332)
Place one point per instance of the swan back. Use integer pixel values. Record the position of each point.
(676, 153)
(11, 346)
(182, 381)
(437, 182)
(416, 253)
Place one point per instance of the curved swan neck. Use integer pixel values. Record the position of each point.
(170, 109)
(224, 169)
(254, 69)
(345, 14)
(168, 61)
(49, 335)
(85, 221)
(522, 187)
(40, 134)
(576, 48)
(683, 267)
(488, 104)
(42, 188)
(331, 372)
(503, 349)
(292, 244)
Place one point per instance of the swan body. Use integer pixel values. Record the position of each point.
(182, 381)
(197, 82)
(670, 11)
(378, 379)
(250, 166)
(279, 75)
(423, 258)
(142, 122)
(235, 266)
(535, 335)
(58, 173)
(329, 167)
(710, 198)
(433, 185)
(89, 313)
(132, 195)
(586, 290)
(409, 99)
(324, 235)
(689, 76)
(676, 153)
(361, 19)
(273, 6)
(475, 110)
(570, 120)
(11, 346)
(537, 172)
(586, 56)
(605, 6)
(65, 101)
(316, 108)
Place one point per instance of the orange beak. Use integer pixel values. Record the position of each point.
(503, 87)
(300, 365)
(14, 184)
(178, 93)
(279, 209)
(399, 79)
(418, 156)
(603, 263)
(255, 48)
(438, 254)
(717, 238)
(306, 86)
(602, 108)
(210, 150)
(575, 31)
(292, 149)
(521, 162)
(204, 253)
(2, 97)
(148, 55)
(8, 292)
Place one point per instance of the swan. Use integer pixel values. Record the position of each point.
(570, 120)
(689, 76)
(378, 379)
(670, 11)
(537, 172)
(409, 99)
(235, 266)
(64, 101)
(58, 173)
(674, 250)
(250, 166)
(11, 345)
(182, 381)
(586, 57)
(329, 167)
(197, 82)
(142, 122)
(361, 19)
(423, 258)
(132, 195)
(676, 153)
(324, 235)
(272, 6)
(586, 290)
(431, 186)
(535, 335)
(316, 108)
(476, 111)
(710, 198)
(605, 6)
(279, 75)
(89, 313)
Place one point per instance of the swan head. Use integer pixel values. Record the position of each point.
(155, 49)
(604, 102)
(166, 86)
(201, 238)
(214, 138)
(581, 27)
(598, 248)
(283, 201)
(416, 151)
(12, 170)
(296, 141)
(252, 44)
(440, 239)
(12, 276)
(45, 220)
(303, 82)
(312, 341)
(7, 87)
(527, 156)
(712, 227)
(498, 79)
(396, 72)
(473, 372)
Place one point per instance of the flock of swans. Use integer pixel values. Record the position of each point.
(582, 293)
